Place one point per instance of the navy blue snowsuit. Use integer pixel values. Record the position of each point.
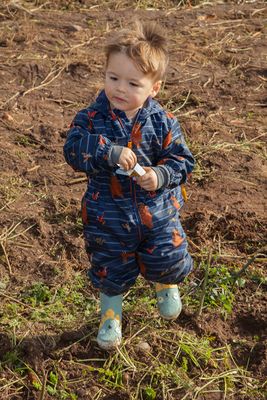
(127, 229)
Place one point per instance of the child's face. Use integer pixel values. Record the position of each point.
(126, 87)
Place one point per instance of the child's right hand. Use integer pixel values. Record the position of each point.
(127, 159)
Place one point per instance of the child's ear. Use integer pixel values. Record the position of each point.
(155, 88)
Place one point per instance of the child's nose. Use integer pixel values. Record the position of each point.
(121, 87)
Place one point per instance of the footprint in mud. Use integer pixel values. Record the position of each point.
(252, 356)
(250, 325)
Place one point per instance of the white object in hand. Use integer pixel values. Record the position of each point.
(136, 171)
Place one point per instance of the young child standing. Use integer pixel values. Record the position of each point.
(132, 225)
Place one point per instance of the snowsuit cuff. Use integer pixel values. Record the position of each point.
(162, 175)
(114, 155)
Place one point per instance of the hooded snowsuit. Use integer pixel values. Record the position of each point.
(127, 229)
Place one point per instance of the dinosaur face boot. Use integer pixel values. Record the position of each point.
(109, 334)
(169, 301)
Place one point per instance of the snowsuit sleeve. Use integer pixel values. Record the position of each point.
(175, 156)
(84, 150)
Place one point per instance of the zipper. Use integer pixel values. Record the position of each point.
(132, 182)
(133, 126)
(137, 215)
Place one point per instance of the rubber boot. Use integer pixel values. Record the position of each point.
(169, 301)
(109, 334)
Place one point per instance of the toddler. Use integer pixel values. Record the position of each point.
(131, 224)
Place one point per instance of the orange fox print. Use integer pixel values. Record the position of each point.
(141, 265)
(170, 115)
(152, 194)
(84, 213)
(136, 135)
(151, 249)
(86, 156)
(115, 187)
(126, 255)
(101, 141)
(101, 219)
(91, 114)
(95, 196)
(146, 216)
(163, 161)
(102, 273)
(176, 238)
(175, 202)
(167, 140)
(126, 226)
(113, 115)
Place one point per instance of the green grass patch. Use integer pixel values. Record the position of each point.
(175, 363)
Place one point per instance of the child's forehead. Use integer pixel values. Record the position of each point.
(120, 63)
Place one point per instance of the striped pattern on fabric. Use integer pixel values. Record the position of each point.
(127, 229)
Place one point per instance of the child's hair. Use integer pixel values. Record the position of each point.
(145, 44)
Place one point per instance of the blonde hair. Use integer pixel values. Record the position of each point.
(145, 45)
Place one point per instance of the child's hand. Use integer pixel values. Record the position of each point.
(149, 181)
(127, 159)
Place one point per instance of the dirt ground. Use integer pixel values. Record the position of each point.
(51, 66)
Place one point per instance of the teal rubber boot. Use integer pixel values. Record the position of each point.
(109, 334)
(169, 301)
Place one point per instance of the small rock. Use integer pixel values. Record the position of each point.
(125, 378)
(6, 116)
(143, 347)
(77, 27)
(3, 285)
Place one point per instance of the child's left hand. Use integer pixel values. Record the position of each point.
(149, 181)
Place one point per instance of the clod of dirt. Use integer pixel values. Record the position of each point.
(143, 347)
(5, 345)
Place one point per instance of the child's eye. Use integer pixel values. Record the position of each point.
(134, 84)
(113, 78)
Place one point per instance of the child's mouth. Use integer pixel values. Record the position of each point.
(119, 99)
